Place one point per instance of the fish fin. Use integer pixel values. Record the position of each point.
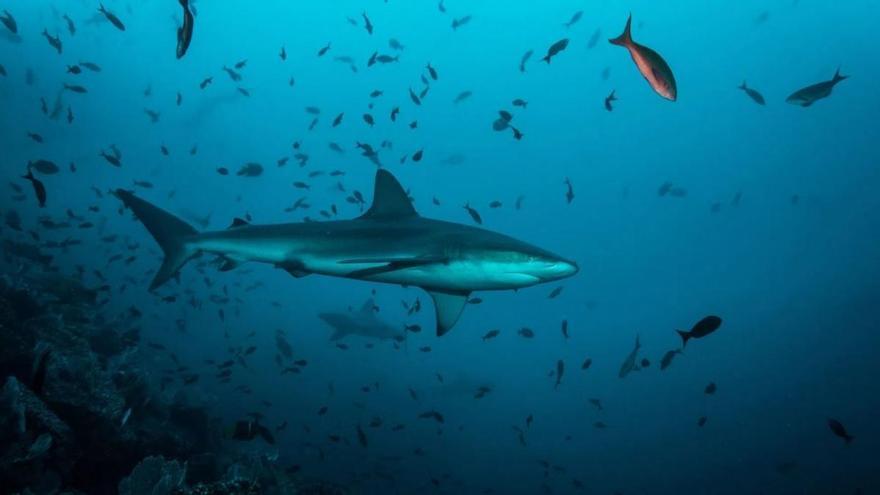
(389, 199)
(448, 307)
(170, 233)
(838, 77)
(624, 39)
(742, 86)
(295, 268)
(685, 336)
(238, 222)
(390, 265)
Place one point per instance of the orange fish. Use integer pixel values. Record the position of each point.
(650, 64)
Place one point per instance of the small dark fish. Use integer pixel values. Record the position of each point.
(432, 72)
(54, 41)
(811, 94)
(569, 193)
(667, 358)
(35, 137)
(710, 388)
(519, 102)
(414, 97)
(71, 27)
(491, 334)
(185, 32)
(650, 64)
(205, 82)
(464, 95)
(90, 66)
(838, 429)
(282, 54)
(367, 24)
(75, 89)
(474, 214)
(461, 21)
(565, 329)
(587, 363)
(701, 421)
(701, 329)
(596, 403)
(594, 39)
(9, 22)
(574, 19)
(555, 292)
(112, 18)
(74, 69)
(324, 50)
(69, 115)
(555, 48)
(753, 94)
(526, 333)
(525, 58)
(369, 119)
(39, 188)
(417, 156)
(394, 112)
(560, 370)
(608, 99)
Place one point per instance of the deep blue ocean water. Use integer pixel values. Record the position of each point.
(792, 266)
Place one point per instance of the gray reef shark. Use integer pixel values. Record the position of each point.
(390, 243)
(364, 323)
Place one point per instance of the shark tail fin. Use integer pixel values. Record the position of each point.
(170, 232)
(838, 76)
(625, 39)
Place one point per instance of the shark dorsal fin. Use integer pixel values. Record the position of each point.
(238, 222)
(389, 199)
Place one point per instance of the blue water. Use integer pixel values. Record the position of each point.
(792, 268)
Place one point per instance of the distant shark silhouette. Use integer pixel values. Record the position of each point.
(389, 243)
(364, 323)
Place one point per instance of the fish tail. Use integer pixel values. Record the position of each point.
(838, 77)
(624, 39)
(170, 232)
(848, 439)
(742, 86)
(685, 336)
(546, 59)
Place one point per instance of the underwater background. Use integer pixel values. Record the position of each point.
(763, 214)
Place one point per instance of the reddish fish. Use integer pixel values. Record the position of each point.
(652, 66)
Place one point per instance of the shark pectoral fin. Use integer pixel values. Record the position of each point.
(389, 265)
(295, 268)
(448, 307)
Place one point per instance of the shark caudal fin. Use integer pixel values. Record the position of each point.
(448, 307)
(169, 232)
(624, 39)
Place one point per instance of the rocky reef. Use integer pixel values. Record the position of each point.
(81, 413)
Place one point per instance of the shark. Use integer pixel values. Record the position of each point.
(390, 243)
(364, 323)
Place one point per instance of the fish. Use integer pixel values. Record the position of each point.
(205, 82)
(564, 328)
(608, 99)
(805, 97)
(525, 58)
(250, 169)
(417, 156)
(9, 22)
(629, 364)
(460, 21)
(112, 18)
(753, 94)
(710, 388)
(560, 370)
(667, 358)
(185, 31)
(596, 403)
(574, 19)
(90, 66)
(432, 71)
(519, 102)
(554, 49)
(649, 63)
(414, 97)
(526, 333)
(475, 215)
(569, 191)
(71, 27)
(39, 188)
(464, 95)
(54, 41)
(389, 243)
(324, 50)
(362, 437)
(702, 421)
(394, 44)
(491, 334)
(45, 167)
(75, 88)
(594, 39)
(701, 329)
(839, 430)
(367, 24)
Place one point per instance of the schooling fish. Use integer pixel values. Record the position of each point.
(9, 22)
(54, 41)
(754, 95)
(554, 49)
(701, 329)
(574, 19)
(650, 64)
(560, 370)
(811, 94)
(608, 99)
(525, 58)
(184, 32)
(629, 364)
(39, 188)
(667, 358)
(112, 18)
(838, 429)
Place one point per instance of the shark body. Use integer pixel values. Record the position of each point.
(390, 243)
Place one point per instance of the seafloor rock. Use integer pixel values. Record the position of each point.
(154, 476)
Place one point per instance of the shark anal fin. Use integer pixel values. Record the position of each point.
(448, 307)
